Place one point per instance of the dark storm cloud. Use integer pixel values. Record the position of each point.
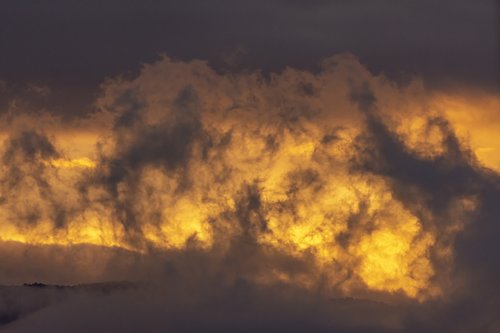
(71, 46)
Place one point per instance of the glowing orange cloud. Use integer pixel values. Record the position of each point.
(271, 159)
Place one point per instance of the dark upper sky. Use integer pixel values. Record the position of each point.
(76, 44)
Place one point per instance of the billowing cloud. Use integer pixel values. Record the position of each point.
(342, 199)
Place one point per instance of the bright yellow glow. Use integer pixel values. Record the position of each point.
(91, 231)
(393, 259)
(83, 162)
(186, 222)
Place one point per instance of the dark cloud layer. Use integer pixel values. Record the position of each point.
(70, 46)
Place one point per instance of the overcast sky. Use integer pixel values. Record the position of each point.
(77, 43)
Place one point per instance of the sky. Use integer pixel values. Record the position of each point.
(271, 166)
(73, 45)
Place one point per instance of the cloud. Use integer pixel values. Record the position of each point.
(335, 200)
(289, 33)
